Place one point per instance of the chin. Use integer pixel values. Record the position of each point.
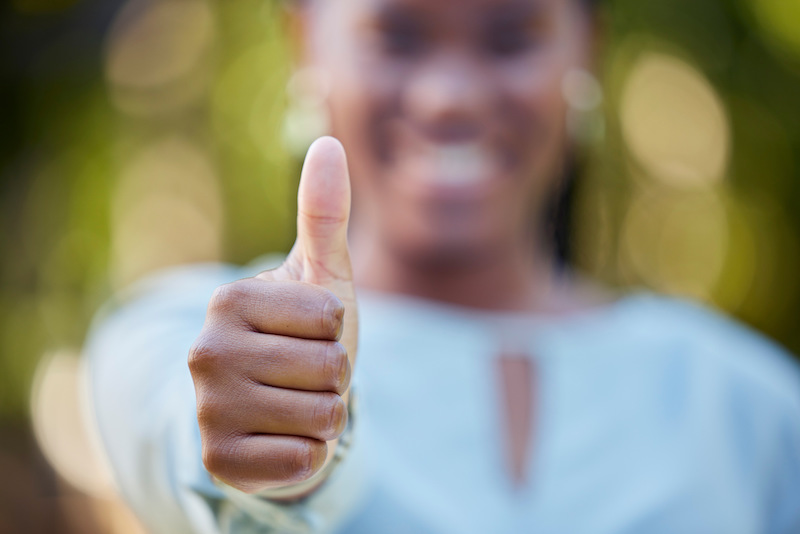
(451, 251)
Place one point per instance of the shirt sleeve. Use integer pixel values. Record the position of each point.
(145, 410)
(784, 516)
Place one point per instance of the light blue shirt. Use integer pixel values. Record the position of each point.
(653, 415)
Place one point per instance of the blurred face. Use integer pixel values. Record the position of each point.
(452, 115)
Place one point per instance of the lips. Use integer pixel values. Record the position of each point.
(459, 163)
(448, 166)
(467, 164)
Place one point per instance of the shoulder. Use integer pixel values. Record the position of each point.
(180, 287)
(713, 346)
(161, 313)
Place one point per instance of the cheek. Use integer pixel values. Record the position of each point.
(537, 107)
(362, 98)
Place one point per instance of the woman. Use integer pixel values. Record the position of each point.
(496, 393)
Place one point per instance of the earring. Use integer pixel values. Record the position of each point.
(584, 97)
(306, 117)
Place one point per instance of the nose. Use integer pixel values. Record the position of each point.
(449, 95)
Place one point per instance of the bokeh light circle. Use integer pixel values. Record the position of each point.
(674, 122)
(157, 55)
(676, 243)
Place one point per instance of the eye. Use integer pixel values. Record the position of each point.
(509, 40)
(402, 36)
(517, 30)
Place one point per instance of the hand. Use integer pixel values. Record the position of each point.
(270, 369)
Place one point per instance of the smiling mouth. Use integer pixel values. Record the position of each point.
(457, 165)
(461, 163)
(452, 165)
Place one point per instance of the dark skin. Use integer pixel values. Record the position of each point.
(453, 120)
(410, 77)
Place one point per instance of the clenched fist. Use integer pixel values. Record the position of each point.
(272, 364)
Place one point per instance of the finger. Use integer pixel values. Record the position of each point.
(286, 308)
(278, 361)
(268, 410)
(317, 415)
(253, 463)
(323, 209)
(293, 363)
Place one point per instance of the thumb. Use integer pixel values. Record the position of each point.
(323, 209)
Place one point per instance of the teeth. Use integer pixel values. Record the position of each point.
(464, 163)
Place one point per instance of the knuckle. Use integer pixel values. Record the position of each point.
(303, 460)
(299, 464)
(220, 457)
(227, 298)
(336, 367)
(330, 416)
(202, 354)
(332, 315)
(210, 412)
(231, 459)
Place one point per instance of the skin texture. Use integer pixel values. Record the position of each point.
(408, 77)
(272, 364)
(410, 80)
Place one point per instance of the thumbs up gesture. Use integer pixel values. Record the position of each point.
(272, 364)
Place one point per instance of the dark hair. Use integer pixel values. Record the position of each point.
(559, 215)
(558, 224)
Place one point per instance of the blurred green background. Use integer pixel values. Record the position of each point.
(139, 134)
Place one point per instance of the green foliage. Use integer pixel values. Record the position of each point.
(75, 132)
